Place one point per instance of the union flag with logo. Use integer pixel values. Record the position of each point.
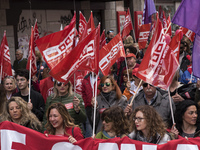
(143, 35)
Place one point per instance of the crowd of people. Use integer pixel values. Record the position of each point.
(125, 105)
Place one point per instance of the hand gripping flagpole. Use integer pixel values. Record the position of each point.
(170, 103)
(136, 92)
(95, 103)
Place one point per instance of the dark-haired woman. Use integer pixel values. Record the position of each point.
(60, 123)
(110, 95)
(115, 123)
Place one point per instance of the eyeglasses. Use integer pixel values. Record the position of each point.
(60, 83)
(107, 120)
(9, 77)
(146, 84)
(138, 119)
(125, 75)
(107, 84)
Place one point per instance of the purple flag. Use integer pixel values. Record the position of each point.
(149, 9)
(188, 15)
(196, 56)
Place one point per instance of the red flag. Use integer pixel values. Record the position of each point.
(170, 28)
(82, 23)
(128, 26)
(110, 53)
(175, 44)
(56, 46)
(159, 63)
(164, 22)
(102, 40)
(88, 28)
(5, 63)
(143, 35)
(190, 34)
(32, 51)
(83, 57)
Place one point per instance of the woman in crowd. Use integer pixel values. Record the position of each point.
(10, 86)
(115, 123)
(147, 126)
(186, 119)
(2, 99)
(18, 112)
(60, 123)
(110, 95)
(125, 79)
(72, 101)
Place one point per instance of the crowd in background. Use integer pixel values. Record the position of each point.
(121, 110)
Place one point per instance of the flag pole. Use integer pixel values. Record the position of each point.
(95, 107)
(167, 28)
(2, 53)
(136, 92)
(170, 103)
(127, 69)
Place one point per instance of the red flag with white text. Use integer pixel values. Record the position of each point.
(32, 51)
(90, 26)
(175, 44)
(190, 34)
(143, 35)
(83, 57)
(159, 63)
(5, 63)
(128, 26)
(102, 40)
(110, 53)
(56, 46)
(82, 24)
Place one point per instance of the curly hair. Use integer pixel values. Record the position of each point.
(68, 121)
(154, 122)
(55, 90)
(27, 115)
(180, 111)
(116, 115)
(114, 84)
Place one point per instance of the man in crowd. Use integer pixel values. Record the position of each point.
(36, 102)
(20, 62)
(110, 36)
(154, 97)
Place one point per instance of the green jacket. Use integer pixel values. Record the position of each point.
(68, 102)
(104, 135)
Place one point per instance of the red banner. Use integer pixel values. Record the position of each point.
(32, 56)
(56, 46)
(168, 24)
(102, 40)
(175, 44)
(83, 57)
(159, 63)
(88, 28)
(143, 35)
(190, 34)
(110, 53)
(82, 23)
(128, 26)
(14, 136)
(5, 63)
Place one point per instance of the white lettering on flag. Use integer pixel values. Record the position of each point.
(110, 146)
(187, 147)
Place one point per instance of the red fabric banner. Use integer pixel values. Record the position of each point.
(88, 28)
(46, 87)
(102, 40)
(128, 26)
(82, 24)
(159, 63)
(83, 57)
(110, 53)
(143, 35)
(14, 136)
(190, 34)
(56, 46)
(175, 44)
(32, 56)
(170, 28)
(5, 63)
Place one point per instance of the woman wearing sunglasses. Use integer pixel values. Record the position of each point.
(60, 123)
(115, 123)
(147, 126)
(72, 101)
(110, 95)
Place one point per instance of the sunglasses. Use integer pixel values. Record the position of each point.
(107, 120)
(146, 84)
(60, 83)
(107, 84)
(125, 75)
